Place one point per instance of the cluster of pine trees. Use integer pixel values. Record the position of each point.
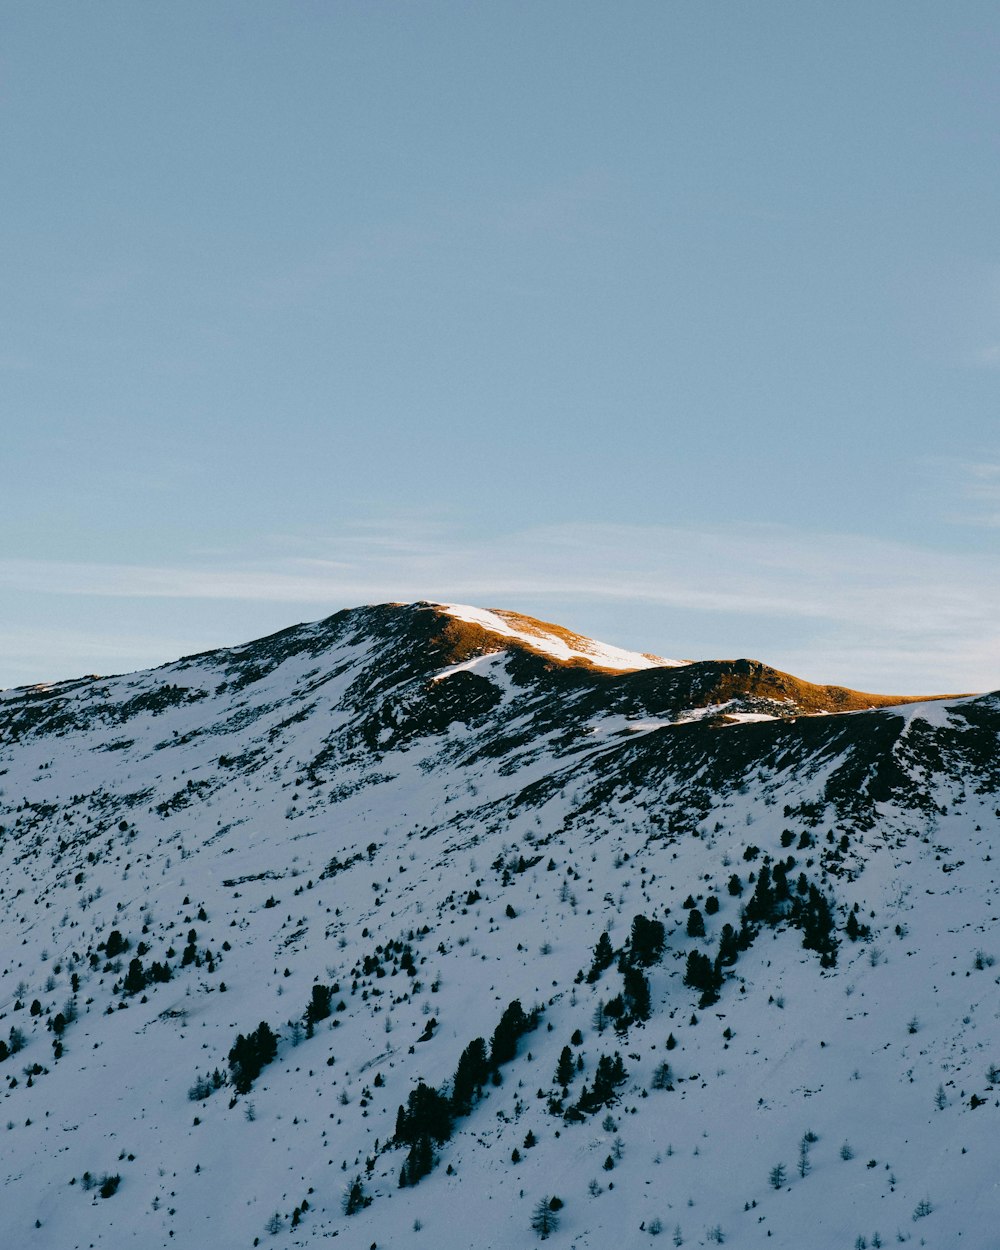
(610, 1073)
(429, 1115)
(773, 902)
(137, 977)
(250, 1055)
(643, 948)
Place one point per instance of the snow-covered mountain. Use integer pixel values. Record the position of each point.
(748, 923)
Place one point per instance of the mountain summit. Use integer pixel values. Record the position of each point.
(435, 926)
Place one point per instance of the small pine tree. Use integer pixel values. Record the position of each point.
(135, 978)
(604, 957)
(109, 1185)
(695, 923)
(729, 946)
(636, 994)
(470, 1076)
(355, 1198)
(776, 1176)
(318, 1007)
(565, 1068)
(503, 1044)
(543, 1219)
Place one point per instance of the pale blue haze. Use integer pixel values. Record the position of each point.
(678, 323)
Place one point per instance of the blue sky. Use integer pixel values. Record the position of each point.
(676, 323)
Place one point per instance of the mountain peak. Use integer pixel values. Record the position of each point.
(553, 641)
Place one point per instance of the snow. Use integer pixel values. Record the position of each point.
(936, 712)
(606, 725)
(282, 785)
(491, 666)
(561, 646)
(726, 711)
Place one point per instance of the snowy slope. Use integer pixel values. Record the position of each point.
(554, 641)
(414, 783)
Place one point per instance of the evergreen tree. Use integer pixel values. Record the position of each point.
(135, 978)
(729, 947)
(817, 927)
(428, 1113)
(609, 1075)
(702, 974)
(355, 1198)
(695, 923)
(267, 1044)
(470, 1076)
(249, 1055)
(565, 1068)
(318, 1008)
(761, 904)
(647, 939)
(543, 1219)
(636, 994)
(603, 958)
(513, 1024)
(746, 935)
(419, 1162)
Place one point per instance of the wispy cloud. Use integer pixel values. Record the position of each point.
(877, 610)
(976, 483)
(68, 652)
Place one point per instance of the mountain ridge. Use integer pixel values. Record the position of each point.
(467, 633)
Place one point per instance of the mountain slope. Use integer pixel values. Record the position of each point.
(433, 811)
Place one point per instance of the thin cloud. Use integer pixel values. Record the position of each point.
(977, 484)
(872, 605)
(66, 653)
